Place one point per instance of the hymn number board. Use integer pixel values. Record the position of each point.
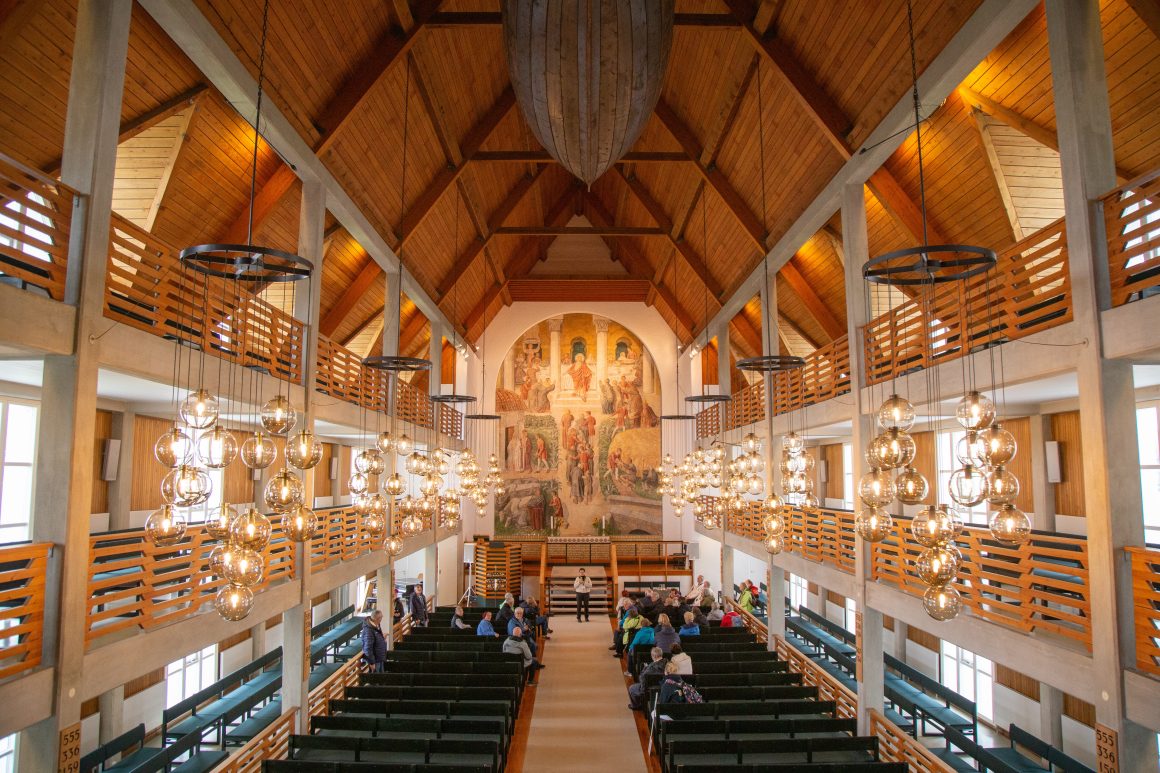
(1107, 749)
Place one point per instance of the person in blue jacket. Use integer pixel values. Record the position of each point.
(485, 627)
(690, 628)
(374, 644)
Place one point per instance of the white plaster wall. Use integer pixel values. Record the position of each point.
(643, 321)
(146, 706)
(708, 561)
(235, 657)
(1013, 707)
(450, 564)
(746, 567)
(1079, 741)
(274, 637)
(923, 659)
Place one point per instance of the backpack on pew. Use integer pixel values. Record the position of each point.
(677, 690)
(689, 693)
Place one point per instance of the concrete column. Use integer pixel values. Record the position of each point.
(816, 602)
(384, 598)
(901, 632)
(647, 385)
(727, 576)
(391, 315)
(855, 245)
(724, 374)
(120, 490)
(435, 355)
(555, 325)
(772, 450)
(431, 570)
(64, 453)
(776, 623)
(296, 662)
(1051, 715)
(258, 640)
(601, 350)
(1111, 467)
(1042, 492)
(111, 706)
(509, 372)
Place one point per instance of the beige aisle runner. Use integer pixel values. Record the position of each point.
(581, 720)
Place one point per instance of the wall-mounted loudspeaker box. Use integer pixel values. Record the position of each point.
(111, 461)
(334, 468)
(255, 474)
(1051, 454)
(823, 471)
(694, 551)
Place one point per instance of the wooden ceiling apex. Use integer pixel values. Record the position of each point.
(350, 297)
(815, 305)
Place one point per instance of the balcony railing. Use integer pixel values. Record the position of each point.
(341, 375)
(35, 221)
(1041, 586)
(1146, 595)
(23, 569)
(1029, 290)
(134, 584)
(1132, 225)
(148, 289)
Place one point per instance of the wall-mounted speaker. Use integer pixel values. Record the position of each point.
(1051, 454)
(255, 475)
(823, 471)
(694, 551)
(334, 468)
(111, 460)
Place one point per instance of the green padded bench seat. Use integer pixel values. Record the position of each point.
(244, 731)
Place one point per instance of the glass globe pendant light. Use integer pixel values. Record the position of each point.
(234, 602)
(938, 565)
(896, 413)
(395, 485)
(1010, 526)
(217, 448)
(259, 451)
(246, 568)
(911, 487)
(975, 411)
(877, 488)
(393, 545)
(284, 492)
(358, 483)
(774, 544)
(892, 449)
(217, 523)
(998, 446)
(174, 448)
(250, 530)
(278, 415)
(165, 526)
(386, 442)
(873, 523)
(199, 409)
(186, 486)
(935, 525)
(1002, 486)
(404, 445)
(967, 486)
(300, 524)
(375, 525)
(942, 603)
(304, 450)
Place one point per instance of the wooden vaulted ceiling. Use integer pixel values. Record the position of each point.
(685, 216)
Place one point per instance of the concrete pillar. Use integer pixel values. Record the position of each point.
(391, 315)
(431, 570)
(647, 385)
(555, 325)
(1051, 715)
(1042, 492)
(435, 355)
(296, 662)
(816, 602)
(1111, 467)
(901, 633)
(776, 606)
(385, 597)
(727, 576)
(111, 706)
(258, 640)
(724, 374)
(855, 245)
(64, 453)
(601, 350)
(120, 490)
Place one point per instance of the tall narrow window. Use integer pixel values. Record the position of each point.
(18, 429)
(194, 672)
(851, 615)
(799, 590)
(8, 754)
(947, 464)
(848, 474)
(970, 676)
(1148, 435)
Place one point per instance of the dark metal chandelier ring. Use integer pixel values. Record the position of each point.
(887, 270)
(246, 263)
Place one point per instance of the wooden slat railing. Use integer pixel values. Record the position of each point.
(450, 421)
(23, 569)
(1029, 290)
(273, 743)
(1133, 233)
(335, 686)
(1040, 586)
(148, 289)
(413, 405)
(341, 375)
(826, 536)
(1146, 594)
(35, 221)
(894, 745)
(340, 537)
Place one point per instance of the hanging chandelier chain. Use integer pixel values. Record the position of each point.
(258, 120)
(917, 119)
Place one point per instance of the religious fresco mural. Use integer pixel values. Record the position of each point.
(579, 398)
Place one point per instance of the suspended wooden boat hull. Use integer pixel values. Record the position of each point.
(587, 74)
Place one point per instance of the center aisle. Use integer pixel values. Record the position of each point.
(581, 720)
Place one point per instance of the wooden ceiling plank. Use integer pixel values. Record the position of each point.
(543, 157)
(446, 19)
(727, 116)
(1149, 13)
(901, 207)
(265, 201)
(658, 214)
(475, 138)
(747, 335)
(821, 108)
(401, 14)
(712, 175)
(793, 327)
(611, 231)
(167, 170)
(496, 220)
(147, 120)
(337, 314)
(433, 107)
(765, 16)
(1041, 134)
(815, 305)
(13, 18)
(1000, 179)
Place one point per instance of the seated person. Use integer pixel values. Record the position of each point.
(622, 608)
(746, 599)
(633, 620)
(485, 627)
(673, 687)
(690, 628)
(457, 620)
(515, 645)
(397, 607)
(715, 612)
(681, 660)
(637, 694)
(732, 619)
(525, 626)
(644, 636)
(532, 613)
(664, 635)
(649, 604)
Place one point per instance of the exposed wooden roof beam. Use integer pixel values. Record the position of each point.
(410, 336)
(766, 11)
(1041, 134)
(170, 163)
(265, 202)
(987, 146)
(401, 14)
(494, 19)
(814, 305)
(658, 214)
(748, 337)
(337, 314)
(496, 220)
(1149, 13)
(793, 327)
(902, 208)
(140, 123)
(713, 176)
(543, 157)
(726, 117)
(475, 138)
(14, 16)
(549, 230)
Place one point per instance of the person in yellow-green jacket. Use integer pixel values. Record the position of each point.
(746, 600)
(632, 623)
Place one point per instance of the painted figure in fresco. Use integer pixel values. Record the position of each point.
(588, 463)
(515, 449)
(589, 425)
(556, 510)
(538, 401)
(614, 465)
(607, 397)
(566, 422)
(541, 454)
(581, 377)
(575, 479)
(525, 451)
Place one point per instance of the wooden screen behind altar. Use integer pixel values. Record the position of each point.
(579, 397)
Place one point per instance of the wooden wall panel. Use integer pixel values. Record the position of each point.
(1020, 428)
(239, 485)
(1020, 683)
(147, 472)
(1069, 493)
(322, 486)
(835, 473)
(709, 364)
(1080, 711)
(100, 501)
(144, 682)
(923, 639)
(924, 458)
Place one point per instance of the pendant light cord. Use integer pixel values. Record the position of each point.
(258, 120)
(917, 121)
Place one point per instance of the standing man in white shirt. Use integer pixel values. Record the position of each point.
(583, 587)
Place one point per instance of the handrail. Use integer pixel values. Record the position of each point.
(342, 375)
(1146, 607)
(615, 571)
(897, 746)
(272, 743)
(335, 686)
(23, 569)
(1133, 237)
(34, 239)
